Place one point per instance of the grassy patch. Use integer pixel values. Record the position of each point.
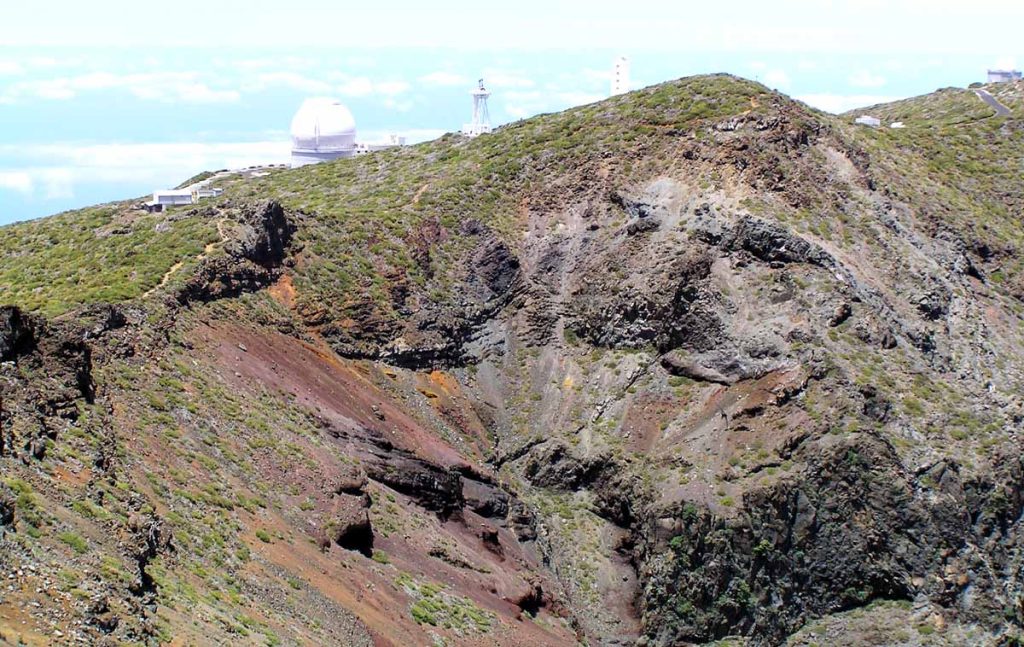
(75, 541)
(109, 253)
(433, 605)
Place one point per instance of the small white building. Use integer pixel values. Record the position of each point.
(1003, 76)
(162, 200)
(392, 141)
(205, 192)
(897, 125)
(168, 198)
(868, 120)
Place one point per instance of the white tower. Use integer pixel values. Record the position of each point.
(620, 76)
(481, 117)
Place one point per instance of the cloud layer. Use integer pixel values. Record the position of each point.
(53, 171)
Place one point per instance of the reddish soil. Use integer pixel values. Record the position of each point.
(362, 402)
(283, 291)
(340, 391)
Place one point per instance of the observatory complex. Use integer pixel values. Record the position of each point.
(324, 129)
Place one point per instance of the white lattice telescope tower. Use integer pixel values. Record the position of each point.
(481, 117)
(620, 76)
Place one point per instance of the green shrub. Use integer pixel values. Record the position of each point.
(75, 541)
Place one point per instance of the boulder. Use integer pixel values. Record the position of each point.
(150, 538)
(349, 524)
(484, 499)
(934, 305)
(842, 312)
(642, 225)
(352, 480)
(101, 616)
(489, 535)
(725, 366)
(531, 598)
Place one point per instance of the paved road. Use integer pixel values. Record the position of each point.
(1001, 110)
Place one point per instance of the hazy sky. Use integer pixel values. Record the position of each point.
(112, 99)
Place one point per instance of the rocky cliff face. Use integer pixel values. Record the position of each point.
(690, 364)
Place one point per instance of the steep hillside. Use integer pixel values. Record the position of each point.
(695, 363)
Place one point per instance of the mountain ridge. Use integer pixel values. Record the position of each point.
(689, 363)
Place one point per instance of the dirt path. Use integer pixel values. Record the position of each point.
(163, 281)
(416, 198)
(207, 250)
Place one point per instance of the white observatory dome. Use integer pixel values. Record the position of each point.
(324, 128)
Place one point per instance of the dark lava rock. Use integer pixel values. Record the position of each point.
(876, 406)
(640, 209)
(934, 305)
(150, 538)
(429, 485)
(7, 506)
(554, 465)
(522, 521)
(676, 364)
(54, 362)
(266, 236)
(726, 366)
(17, 332)
(769, 242)
(673, 306)
(641, 226)
(484, 499)
(102, 319)
(859, 527)
(496, 266)
(253, 257)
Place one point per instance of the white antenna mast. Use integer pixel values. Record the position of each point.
(620, 76)
(481, 116)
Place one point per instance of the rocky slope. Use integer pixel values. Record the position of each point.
(692, 364)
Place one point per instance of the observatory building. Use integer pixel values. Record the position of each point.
(324, 130)
(1003, 76)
